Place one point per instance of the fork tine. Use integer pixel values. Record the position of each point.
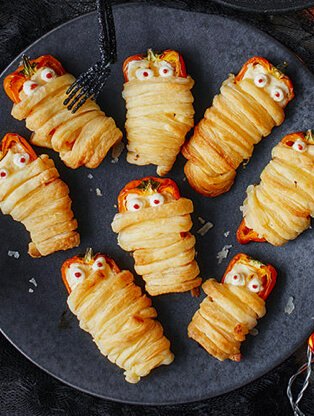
(81, 102)
(77, 97)
(90, 91)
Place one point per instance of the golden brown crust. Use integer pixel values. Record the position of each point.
(280, 207)
(121, 321)
(163, 247)
(37, 197)
(224, 318)
(159, 115)
(238, 119)
(83, 138)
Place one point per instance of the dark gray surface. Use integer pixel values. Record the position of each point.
(267, 6)
(212, 47)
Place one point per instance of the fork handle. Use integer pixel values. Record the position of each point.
(107, 33)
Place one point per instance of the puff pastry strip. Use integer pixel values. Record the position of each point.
(32, 193)
(247, 108)
(159, 106)
(231, 308)
(118, 316)
(280, 207)
(154, 223)
(83, 138)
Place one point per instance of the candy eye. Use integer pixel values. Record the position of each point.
(21, 159)
(156, 199)
(144, 73)
(261, 80)
(29, 87)
(3, 173)
(135, 204)
(299, 146)
(277, 94)
(254, 285)
(48, 74)
(77, 273)
(99, 264)
(165, 71)
(234, 278)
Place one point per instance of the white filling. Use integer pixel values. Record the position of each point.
(143, 74)
(48, 74)
(156, 199)
(75, 275)
(29, 87)
(99, 264)
(21, 159)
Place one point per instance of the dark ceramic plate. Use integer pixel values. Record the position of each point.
(267, 6)
(34, 322)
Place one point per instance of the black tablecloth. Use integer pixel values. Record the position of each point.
(25, 390)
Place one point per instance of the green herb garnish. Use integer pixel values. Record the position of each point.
(29, 68)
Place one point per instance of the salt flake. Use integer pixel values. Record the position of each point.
(289, 308)
(15, 254)
(221, 255)
(98, 192)
(201, 220)
(33, 281)
(90, 176)
(206, 227)
(31, 290)
(226, 233)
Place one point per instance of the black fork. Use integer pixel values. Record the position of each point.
(90, 83)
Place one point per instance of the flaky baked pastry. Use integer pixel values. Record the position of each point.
(248, 107)
(38, 90)
(232, 307)
(154, 222)
(280, 207)
(159, 108)
(33, 194)
(121, 320)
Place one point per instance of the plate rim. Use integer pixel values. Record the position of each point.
(259, 374)
(270, 10)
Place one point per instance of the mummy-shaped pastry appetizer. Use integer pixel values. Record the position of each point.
(37, 89)
(154, 222)
(231, 308)
(281, 206)
(32, 193)
(247, 108)
(118, 316)
(159, 108)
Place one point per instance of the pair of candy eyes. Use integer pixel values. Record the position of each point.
(137, 203)
(298, 145)
(261, 80)
(99, 264)
(47, 75)
(20, 160)
(146, 73)
(253, 285)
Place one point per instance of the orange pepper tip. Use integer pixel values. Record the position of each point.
(311, 342)
(87, 259)
(10, 139)
(145, 186)
(270, 276)
(245, 234)
(13, 83)
(173, 57)
(270, 68)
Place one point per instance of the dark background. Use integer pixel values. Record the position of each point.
(27, 391)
